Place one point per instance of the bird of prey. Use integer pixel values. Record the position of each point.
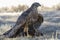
(27, 23)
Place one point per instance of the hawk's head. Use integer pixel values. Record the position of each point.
(35, 5)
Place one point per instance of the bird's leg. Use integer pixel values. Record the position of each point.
(36, 32)
(26, 30)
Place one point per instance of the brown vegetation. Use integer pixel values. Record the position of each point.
(18, 8)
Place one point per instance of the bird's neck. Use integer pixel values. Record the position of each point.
(34, 9)
(31, 9)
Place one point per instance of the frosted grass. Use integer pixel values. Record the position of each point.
(48, 28)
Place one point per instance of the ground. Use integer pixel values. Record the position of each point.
(51, 22)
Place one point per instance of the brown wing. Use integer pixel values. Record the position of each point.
(21, 21)
(34, 21)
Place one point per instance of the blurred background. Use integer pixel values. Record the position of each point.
(10, 10)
